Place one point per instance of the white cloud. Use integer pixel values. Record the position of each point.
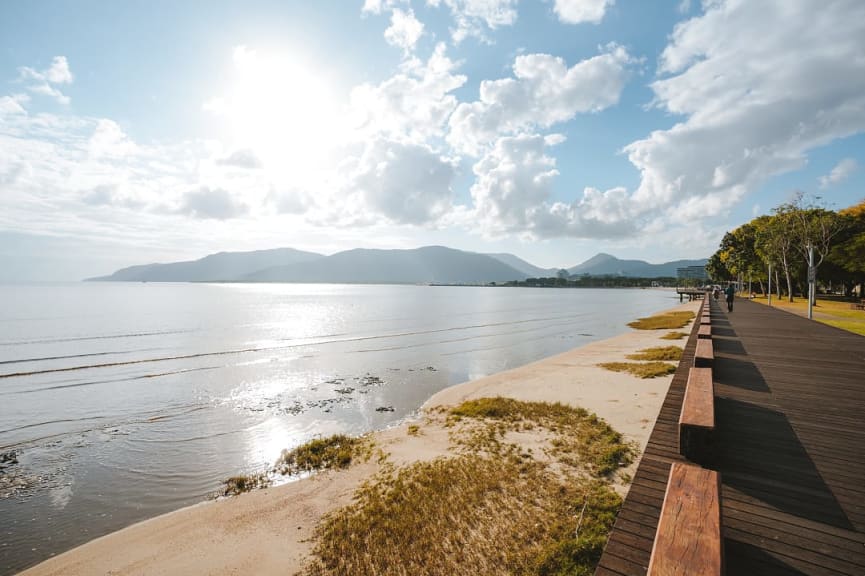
(13, 104)
(404, 183)
(475, 17)
(843, 170)
(404, 30)
(512, 194)
(214, 203)
(379, 6)
(543, 92)
(579, 11)
(42, 82)
(413, 104)
(684, 7)
(108, 139)
(513, 181)
(754, 99)
(243, 158)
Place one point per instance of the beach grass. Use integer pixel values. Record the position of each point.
(674, 336)
(494, 508)
(641, 369)
(658, 353)
(335, 451)
(667, 321)
(244, 483)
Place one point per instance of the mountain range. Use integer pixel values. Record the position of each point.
(426, 265)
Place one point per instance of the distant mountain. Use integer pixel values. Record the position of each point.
(430, 264)
(530, 270)
(223, 266)
(606, 265)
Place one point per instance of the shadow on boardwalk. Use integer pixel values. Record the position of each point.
(789, 444)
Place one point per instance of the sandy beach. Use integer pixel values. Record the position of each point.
(269, 531)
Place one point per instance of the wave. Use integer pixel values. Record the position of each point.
(310, 342)
(85, 338)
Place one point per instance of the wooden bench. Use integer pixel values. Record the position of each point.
(858, 306)
(697, 418)
(704, 331)
(704, 355)
(688, 540)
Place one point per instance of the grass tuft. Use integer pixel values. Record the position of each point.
(659, 353)
(496, 508)
(674, 335)
(334, 451)
(641, 369)
(468, 515)
(244, 483)
(668, 321)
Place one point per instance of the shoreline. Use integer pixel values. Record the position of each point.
(269, 530)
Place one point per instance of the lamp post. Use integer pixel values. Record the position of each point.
(812, 277)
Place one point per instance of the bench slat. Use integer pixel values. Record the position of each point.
(688, 540)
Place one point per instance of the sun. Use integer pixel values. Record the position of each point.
(282, 109)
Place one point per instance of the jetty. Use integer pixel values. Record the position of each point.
(779, 467)
(691, 293)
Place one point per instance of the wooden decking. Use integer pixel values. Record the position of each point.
(789, 444)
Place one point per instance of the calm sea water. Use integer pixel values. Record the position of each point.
(123, 401)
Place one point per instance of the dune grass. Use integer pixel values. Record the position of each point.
(244, 483)
(493, 509)
(641, 369)
(668, 321)
(468, 515)
(335, 451)
(658, 353)
(674, 336)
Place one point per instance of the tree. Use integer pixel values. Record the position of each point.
(774, 241)
(814, 227)
(563, 274)
(849, 250)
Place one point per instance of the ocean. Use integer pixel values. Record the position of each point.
(122, 401)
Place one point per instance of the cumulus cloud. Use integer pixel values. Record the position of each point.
(579, 11)
(243, 158)
(843, 170)
(404, 30)
(475, 17)
(379, 6)
(413, 104)
(753, 99)
(212, 203)
(512, 193)
(44, 81)
(403, 183)
(108, 139)
(544, 91)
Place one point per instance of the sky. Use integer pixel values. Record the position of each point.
(163, 130)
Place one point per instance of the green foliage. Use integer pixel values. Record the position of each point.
(334, 451)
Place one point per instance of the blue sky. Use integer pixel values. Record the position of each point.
(135, 132)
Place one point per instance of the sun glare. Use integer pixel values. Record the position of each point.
(282, 109)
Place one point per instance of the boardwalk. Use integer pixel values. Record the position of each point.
(790, 447)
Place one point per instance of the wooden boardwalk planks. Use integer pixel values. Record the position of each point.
(789, 443)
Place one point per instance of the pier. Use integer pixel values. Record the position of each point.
(788, 446)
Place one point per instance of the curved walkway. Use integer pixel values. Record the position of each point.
(789, 444)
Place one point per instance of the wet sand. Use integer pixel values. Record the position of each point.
(268, 531)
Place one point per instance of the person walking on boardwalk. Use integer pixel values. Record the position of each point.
(730, 292)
